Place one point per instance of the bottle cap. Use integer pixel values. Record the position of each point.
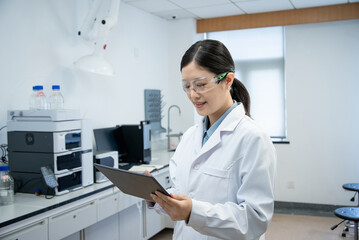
(4, 168)
(55, 87)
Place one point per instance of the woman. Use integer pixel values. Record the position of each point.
(223, 168)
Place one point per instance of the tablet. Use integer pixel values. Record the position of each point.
(132, 183)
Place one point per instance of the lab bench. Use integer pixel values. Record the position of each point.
(99, 211)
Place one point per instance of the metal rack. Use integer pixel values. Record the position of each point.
(153, 109)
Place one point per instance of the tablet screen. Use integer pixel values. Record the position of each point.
(132, 183)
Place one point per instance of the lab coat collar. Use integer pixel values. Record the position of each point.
(228, 125)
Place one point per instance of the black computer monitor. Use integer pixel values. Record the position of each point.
(132, 142)
(105, 139)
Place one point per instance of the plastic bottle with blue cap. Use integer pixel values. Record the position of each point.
(56, 99)
(40, 99)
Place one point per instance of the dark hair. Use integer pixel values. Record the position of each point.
(215, 57)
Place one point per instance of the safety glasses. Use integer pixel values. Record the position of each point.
(203, 84)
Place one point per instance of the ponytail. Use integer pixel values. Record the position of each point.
(240, 94)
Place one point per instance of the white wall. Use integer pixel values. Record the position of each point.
(181, 37)
(39, 43)
(322, 69)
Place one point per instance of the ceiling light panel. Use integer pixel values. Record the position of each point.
(198, 3)
(175, 14)
(222, 10)
(264, 6)
(154, 5)
(316, 3)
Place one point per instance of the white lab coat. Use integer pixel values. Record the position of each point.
(230, 180)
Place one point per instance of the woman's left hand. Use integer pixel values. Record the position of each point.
(178, 207)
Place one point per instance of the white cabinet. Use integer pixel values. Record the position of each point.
(131, 223)
(107, 206)
(152, 221)
(75, 236)
(106, 214)
(127, 201)
(36, 230)
(72, 220)
(108, 228)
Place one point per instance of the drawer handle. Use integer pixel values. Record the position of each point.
(81, 207)
(29, 227)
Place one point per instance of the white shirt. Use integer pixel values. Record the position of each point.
(230, 180)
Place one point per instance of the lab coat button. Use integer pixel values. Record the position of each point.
(196, 167)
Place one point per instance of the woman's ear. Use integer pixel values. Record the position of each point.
(229, 79)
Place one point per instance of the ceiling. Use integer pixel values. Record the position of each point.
(200, 9)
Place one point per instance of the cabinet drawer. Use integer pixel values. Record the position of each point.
(72, 220)
(36, 230)
(127, 201)
(107, 206)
